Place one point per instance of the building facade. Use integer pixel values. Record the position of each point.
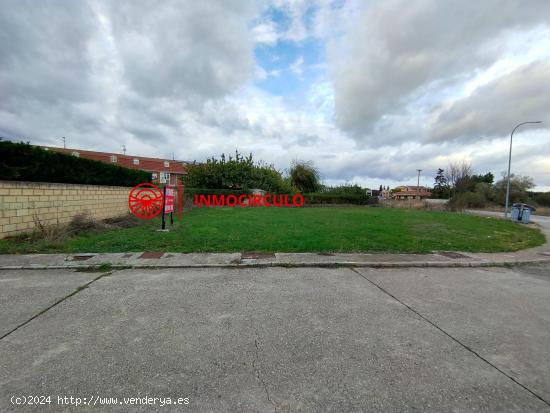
(410, 192)
(163, 171)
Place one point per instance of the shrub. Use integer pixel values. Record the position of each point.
(343, 189)
(240, 173)
(467, 200)
(304, 176)
(541, 198)
(336, 198)
(24, 162)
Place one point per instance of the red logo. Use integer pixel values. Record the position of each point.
(145, 200)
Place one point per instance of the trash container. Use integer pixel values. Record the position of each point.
(521, 212)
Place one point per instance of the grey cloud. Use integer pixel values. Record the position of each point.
(44, 52)
(112, 71)
(397, 47)
(224, 115)
(181, 49)
(494, 109)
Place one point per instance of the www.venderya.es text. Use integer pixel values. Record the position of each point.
(96, 400)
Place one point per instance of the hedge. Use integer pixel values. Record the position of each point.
(206, 191)
(335, 198)
(309, 198)
(24, 162)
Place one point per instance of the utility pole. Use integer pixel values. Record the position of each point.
(509, 165)
(418, 183)
(64, 142)
(124, 149)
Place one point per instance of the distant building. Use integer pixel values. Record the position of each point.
(385, 193)
(410, 192)
(163, 171)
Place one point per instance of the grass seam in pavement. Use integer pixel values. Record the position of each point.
(469, 349)
(59, 301)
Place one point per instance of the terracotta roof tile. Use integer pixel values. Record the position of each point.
(127, 161)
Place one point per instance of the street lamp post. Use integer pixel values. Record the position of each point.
(509, 165)
(418, 183)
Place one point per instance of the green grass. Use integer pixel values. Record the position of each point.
(303, 230)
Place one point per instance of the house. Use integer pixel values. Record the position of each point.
(163, 171)
(410, 192)
(385, 193)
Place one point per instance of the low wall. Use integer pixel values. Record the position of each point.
(21, 203)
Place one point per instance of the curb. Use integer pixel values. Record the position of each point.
(346, 264)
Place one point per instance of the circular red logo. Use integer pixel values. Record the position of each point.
(145, 200)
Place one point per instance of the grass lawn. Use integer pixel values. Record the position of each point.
(303, 230)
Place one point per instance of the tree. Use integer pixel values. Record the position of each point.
(304, 176)
(441, 186)
(519, 185)
(457, 175)
(488, 178)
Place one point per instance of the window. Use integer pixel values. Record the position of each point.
(136, 161)
(166, 164)
(164, 177)
(74, 153)
(154, 176)
(113, 158)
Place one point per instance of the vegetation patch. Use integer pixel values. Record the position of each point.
(322, 230)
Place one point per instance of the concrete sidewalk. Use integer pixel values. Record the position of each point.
(210, 260)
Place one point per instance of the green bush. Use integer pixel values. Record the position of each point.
(240, 173)
(541, 198)
(343, 189)
(24, 162)
(304, 176)
(474, 199)
(336, 198)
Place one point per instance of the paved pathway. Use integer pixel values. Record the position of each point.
(277, 339)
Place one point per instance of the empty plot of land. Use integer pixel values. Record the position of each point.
(358, 229)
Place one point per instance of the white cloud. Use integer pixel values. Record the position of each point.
(297, 67)
(265, 33)
(494, 108)
(395, 49)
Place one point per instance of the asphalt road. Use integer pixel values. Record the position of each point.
(542, 220)
(276, 339)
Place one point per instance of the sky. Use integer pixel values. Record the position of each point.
(369, 90)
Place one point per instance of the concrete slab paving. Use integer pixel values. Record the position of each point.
(30, 260)
(358, 258)
(503, 314)
(285, 339)
(25, 293)
(168, 259)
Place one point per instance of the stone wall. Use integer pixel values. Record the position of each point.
(22, 203)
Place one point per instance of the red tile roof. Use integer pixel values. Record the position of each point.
(422, 193)
(127, 161)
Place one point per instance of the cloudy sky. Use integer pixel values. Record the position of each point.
(368, 90)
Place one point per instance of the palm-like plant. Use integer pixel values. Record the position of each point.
(304, 176)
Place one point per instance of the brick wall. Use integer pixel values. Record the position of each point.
(53, 203)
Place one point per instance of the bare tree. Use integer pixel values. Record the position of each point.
(457, 171)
